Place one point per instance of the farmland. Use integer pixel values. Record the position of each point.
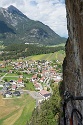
(16, 111)
(51, 56)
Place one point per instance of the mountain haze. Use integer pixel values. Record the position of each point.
(15, 27)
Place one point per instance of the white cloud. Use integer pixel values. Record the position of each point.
(50, 12)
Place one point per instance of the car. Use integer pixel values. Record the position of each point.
(16, 93)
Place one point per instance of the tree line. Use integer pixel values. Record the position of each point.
(14, 51)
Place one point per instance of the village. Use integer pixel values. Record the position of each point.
(39, 75)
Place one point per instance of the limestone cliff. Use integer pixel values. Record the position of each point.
(73, 62)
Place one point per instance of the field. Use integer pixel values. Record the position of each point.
(11, 76)
(16, 111)
(52, 56)
(29, 86)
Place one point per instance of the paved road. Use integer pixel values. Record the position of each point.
(3, 76)
(48, 85)
(34, 95)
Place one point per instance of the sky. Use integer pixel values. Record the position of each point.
(49, 12)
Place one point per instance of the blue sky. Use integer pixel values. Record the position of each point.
(50, 12)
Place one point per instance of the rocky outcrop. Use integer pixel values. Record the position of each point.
(73, 62)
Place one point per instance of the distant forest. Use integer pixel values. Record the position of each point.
(15, 51)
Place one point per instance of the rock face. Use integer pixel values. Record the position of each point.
(73, 62)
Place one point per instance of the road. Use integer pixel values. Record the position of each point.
(48, 85)
(3, 76)
(34, 95)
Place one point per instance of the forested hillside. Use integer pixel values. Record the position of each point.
(15, 51)
(49, 111)
(15, 27)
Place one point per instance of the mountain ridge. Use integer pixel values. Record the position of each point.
(21, 29)
(14, 10)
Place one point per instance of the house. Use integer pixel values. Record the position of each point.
(42, 79)
(1, 85)
(10, 71)
(45, 94)
(16, 93)
(3, 66)
(20, 83)
(7, 85)
(21, 76)
(14, 86)
(34, 77)
(19, 80)
(57, 79)
(8, 94)
(37, 87)
(53, 72)
(4, 88)
(43, 72)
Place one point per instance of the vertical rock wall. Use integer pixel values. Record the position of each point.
(73, 63)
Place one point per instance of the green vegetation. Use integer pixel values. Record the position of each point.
(1, 47)
(1, 88)
(12, 74)
(29, 86)
(1, 74)
(50, 57)
(6, 68)
(27, 76)
(10, 78)
(26, 31)
(15, 51)
(16, 111)
(49, 111)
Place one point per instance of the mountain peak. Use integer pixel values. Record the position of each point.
(12, 9)
(15, 26)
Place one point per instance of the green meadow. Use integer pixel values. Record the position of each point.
(51, 56)
(16, 111)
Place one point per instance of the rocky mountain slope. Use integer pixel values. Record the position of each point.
(15, 27)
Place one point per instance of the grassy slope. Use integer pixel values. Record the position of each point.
(52, 56)
(16, 111)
